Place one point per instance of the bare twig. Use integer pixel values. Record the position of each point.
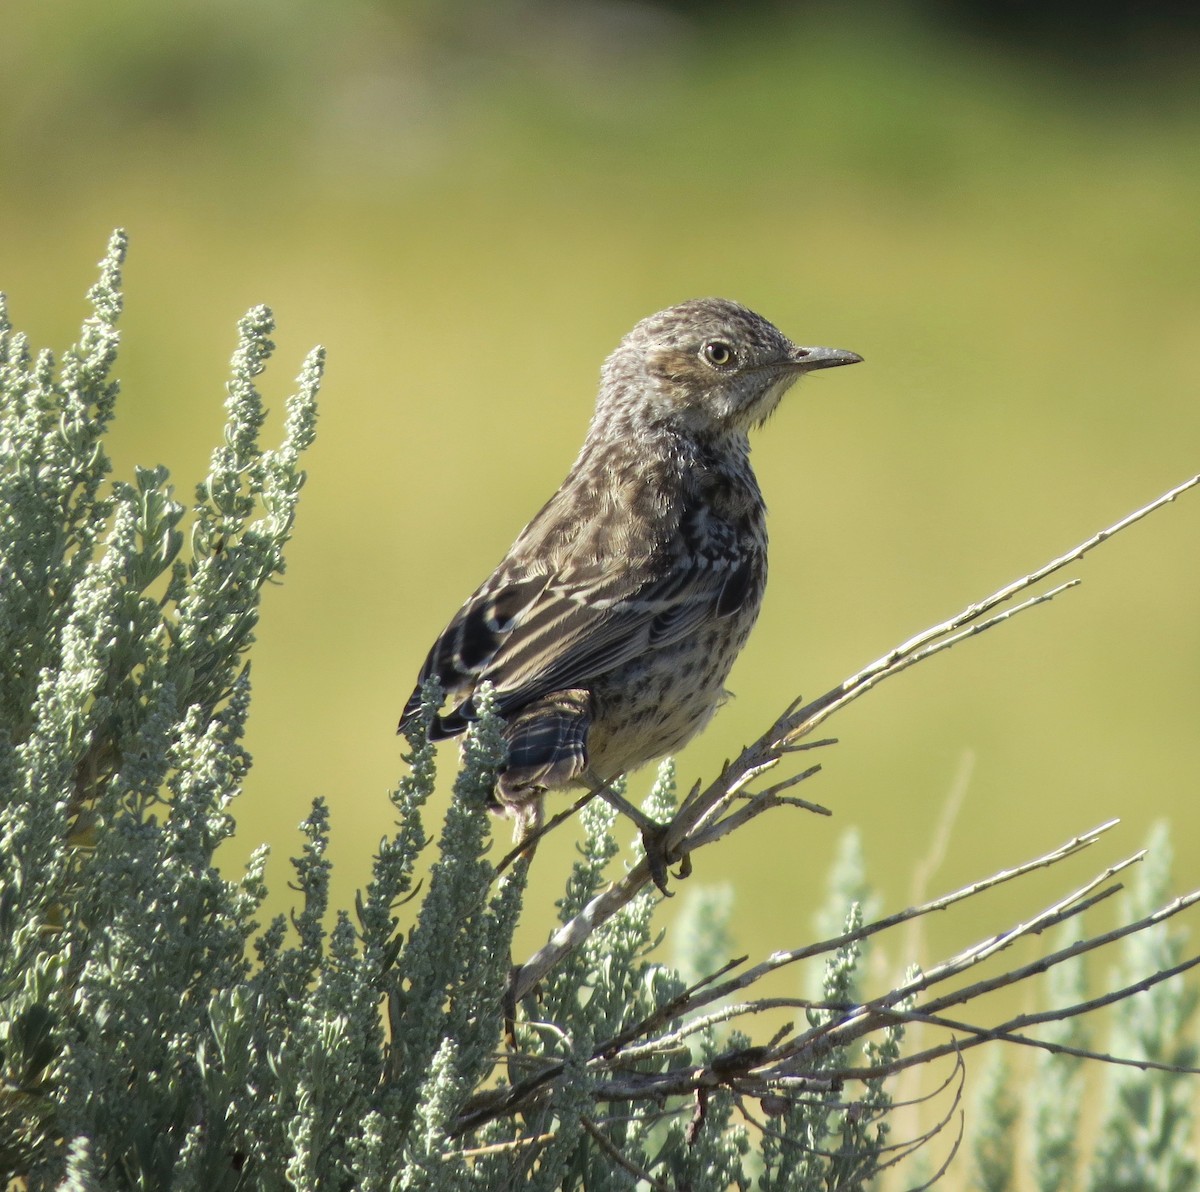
(697, 821)
(782, 959)
(1006, 593)
(622, 1160)
(795, 1064)
(791, 1062)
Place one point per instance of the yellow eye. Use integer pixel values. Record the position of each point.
(718, 353)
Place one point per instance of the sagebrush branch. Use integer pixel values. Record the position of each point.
(781, 1069)
(706, 814)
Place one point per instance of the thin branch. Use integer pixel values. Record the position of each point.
(622, 1160)
(905, 656)
(529, 842)
(498, 1148)
(875, 1014)
(609, 901)
(795, 722)
(782, 959)
(760, 1071)
(754, 1072)
(790, 1065)
(1001, 595)
(1078, 948)
(1004, 1034)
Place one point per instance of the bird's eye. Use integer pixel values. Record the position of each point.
(715, 352)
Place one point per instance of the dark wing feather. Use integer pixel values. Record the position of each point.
(564, 631)
(462, 653)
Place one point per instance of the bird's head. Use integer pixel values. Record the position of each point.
(710, 366)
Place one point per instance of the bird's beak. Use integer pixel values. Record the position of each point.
(810, 359)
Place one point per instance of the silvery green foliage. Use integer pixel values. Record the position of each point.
(835, 1137)
(996, 1110)
(123, 701)
(1148, 1121)
(832, 1135)
(1144, 1140)
(601, 988)
(154, 1035)
(1057, 1089)
(700, 939)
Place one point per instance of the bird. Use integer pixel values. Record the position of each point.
(609, 628)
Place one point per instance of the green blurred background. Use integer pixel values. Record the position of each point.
(468, 204)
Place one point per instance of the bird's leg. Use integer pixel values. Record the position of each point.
(654, 834)
(619, 803)
(547, 750)
(524, 845)
(527, 826)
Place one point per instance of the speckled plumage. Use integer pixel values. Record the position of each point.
(610, 626)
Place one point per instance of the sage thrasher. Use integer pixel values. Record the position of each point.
(609, 628)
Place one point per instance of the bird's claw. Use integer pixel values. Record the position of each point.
(658, 858)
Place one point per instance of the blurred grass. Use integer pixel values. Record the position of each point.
(470, 209)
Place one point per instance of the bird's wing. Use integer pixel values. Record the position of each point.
(464, 650)
(530, 634)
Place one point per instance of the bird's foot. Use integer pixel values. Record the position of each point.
(658, 858)
(654, 836)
